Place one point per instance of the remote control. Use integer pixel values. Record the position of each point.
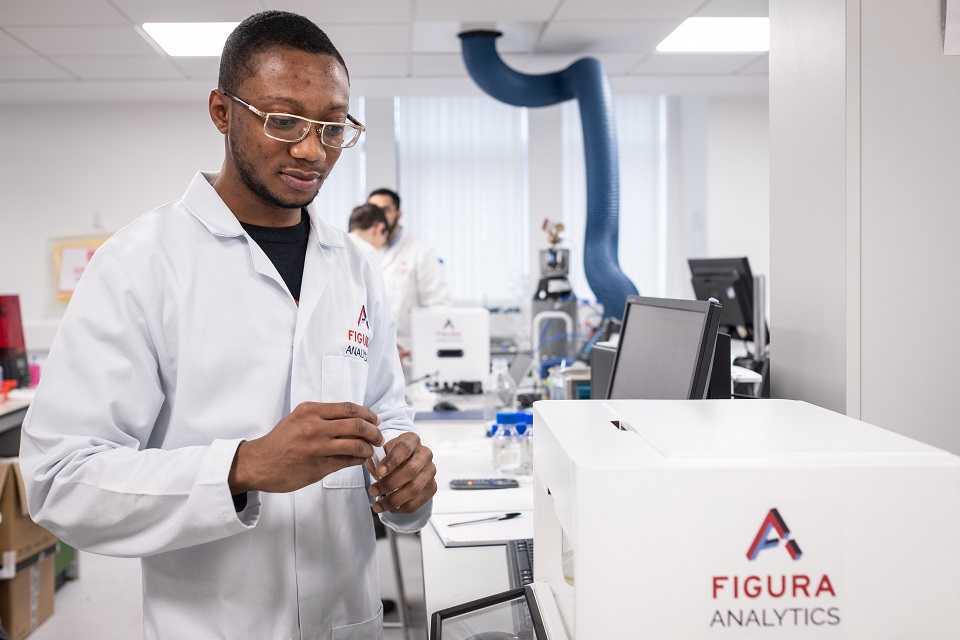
(484, 483)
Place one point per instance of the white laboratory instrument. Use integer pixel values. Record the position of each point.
(731, 519)
(451, 344)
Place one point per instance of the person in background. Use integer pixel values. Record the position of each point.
(368, 225)
(410, 268)
(226, 368)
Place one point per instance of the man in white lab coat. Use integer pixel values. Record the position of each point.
(410, 268)
(225, 370)
(368, 226)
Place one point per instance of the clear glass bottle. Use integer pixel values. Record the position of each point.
(500, 392)
(507, 447)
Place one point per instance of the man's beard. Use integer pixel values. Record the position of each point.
(249, 178)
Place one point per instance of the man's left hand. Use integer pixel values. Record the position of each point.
(406, 477)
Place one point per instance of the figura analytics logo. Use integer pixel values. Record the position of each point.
(755, 597)
(362, 320)
(357, 341)
(762, 541)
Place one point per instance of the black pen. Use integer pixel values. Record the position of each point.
(505, 516)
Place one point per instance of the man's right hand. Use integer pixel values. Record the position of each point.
(315, 440)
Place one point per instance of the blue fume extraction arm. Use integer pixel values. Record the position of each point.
(585, 81)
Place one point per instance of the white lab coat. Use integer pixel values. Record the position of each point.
(367, 247)
(182, 340)
(414, 278)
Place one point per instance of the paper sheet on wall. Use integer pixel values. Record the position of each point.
(71, 256)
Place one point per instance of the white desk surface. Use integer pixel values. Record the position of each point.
(453, 576)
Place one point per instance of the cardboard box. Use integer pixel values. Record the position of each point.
(26, 600)
(20, 537)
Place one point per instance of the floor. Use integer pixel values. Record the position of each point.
(105, 602)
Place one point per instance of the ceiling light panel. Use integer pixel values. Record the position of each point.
(718, 35)
(190, 39)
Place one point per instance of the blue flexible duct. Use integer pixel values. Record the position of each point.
(585, 81)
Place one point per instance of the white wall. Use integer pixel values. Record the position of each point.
(63, 165)
(865, 155)
(738, 180)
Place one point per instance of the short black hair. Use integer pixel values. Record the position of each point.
(365, 216)
(383, 191)
(266, 30)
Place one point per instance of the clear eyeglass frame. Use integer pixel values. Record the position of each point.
(337, 135)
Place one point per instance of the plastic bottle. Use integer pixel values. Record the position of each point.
(500, 392)
(507, 448)
(526, 444)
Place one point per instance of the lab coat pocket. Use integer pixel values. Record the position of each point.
(372, 629)
(343, 380)
(349, 478)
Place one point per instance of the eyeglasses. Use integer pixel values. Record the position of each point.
(290, 128)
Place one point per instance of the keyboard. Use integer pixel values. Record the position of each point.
(520, 562)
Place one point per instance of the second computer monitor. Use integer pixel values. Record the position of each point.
(730, 281)
(665, 350)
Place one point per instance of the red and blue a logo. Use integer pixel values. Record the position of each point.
(362, 320)
(774, 522)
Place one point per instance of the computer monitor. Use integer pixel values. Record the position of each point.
(730, 281)
(666, 349)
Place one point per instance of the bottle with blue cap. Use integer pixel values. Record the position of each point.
(507, 447)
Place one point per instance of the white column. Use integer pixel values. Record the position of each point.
(809, 183)
(865, 159)
(381, 144)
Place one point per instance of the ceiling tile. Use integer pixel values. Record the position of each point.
(613, 63)
(327, 12)
(10, 47)
(581, 10)
(736, 9)
(489, 10)
(84, 41)
(441, 37)
(759, 67)
(188, 10)
(586, 37)
(199, 68)
(120, 68)
(438, 65)
(370, 38)
(693, 63)
(378, 66)
(59, 12)
(30, 69)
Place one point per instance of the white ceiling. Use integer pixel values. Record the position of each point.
(94, 50)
